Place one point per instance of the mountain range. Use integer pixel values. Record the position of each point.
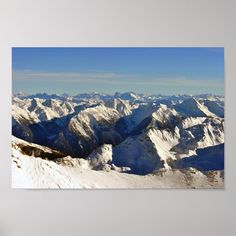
(128, 134)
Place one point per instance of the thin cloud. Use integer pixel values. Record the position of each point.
(114, 79)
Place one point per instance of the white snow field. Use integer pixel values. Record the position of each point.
(31, 172)
(36, 173)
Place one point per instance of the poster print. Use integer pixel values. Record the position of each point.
(118, 118)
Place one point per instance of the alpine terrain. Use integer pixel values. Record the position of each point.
(125, 140)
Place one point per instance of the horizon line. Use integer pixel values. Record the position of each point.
(112, 94)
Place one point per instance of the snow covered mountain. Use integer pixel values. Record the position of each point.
(30, 171)
(124, 132)
(192, 107)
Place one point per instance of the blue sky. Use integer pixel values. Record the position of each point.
(108, 70)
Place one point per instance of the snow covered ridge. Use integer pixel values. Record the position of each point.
(66, 172)
(120, 136)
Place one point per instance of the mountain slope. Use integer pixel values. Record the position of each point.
(32, 172)
(192, 107)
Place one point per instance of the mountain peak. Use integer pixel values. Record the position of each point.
(192, 107)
